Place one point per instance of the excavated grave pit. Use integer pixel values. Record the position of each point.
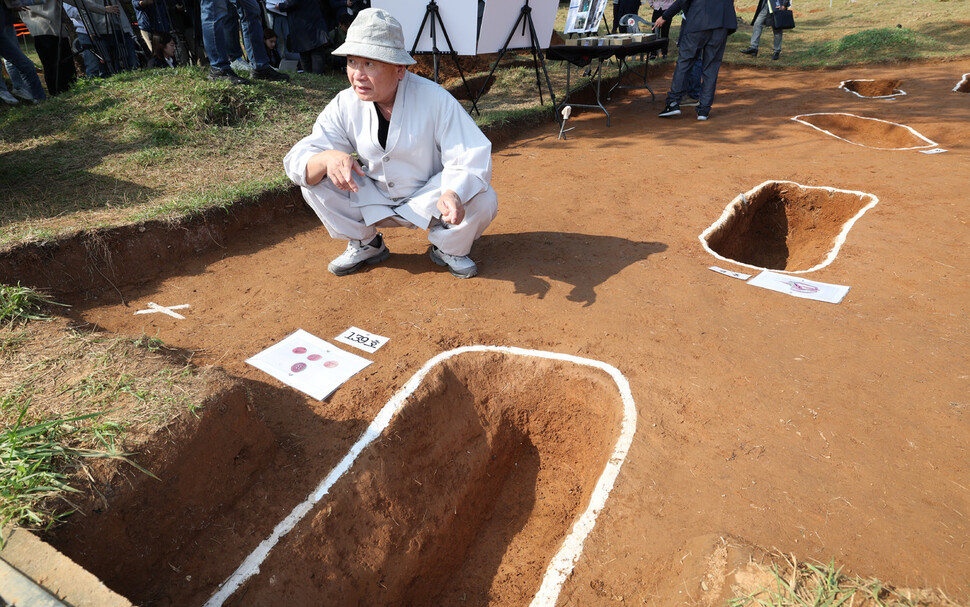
(873, 89)
(466, 496)
(867, 132)
(470, 493)
(782, 225)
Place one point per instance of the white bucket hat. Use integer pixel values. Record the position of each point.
(375, 34)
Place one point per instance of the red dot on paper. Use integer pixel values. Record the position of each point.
(314, 357)
(299, 350)
(330, 364)
(297, 367)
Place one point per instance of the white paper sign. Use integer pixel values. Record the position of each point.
(364, 340)
(500, 17)
(799, 287)
(730, 273)
(459, 18)
(309, 364)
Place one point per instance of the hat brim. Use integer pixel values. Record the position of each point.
(376, 52)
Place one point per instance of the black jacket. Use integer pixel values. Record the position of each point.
(705, 15)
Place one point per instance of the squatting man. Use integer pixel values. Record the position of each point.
(394, 149)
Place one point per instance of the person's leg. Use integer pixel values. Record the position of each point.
(251, 20)
(758, 26)
(690, 48)
(694, 79)
(233, 48)
(713, 53)
(777, 41)
(457, 240)
(315, 61)
(215, 14)
(664, 33)
(92, 65)
(10, 51)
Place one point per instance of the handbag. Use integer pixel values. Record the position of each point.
(781, 20)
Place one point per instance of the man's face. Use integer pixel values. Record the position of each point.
(374, 80)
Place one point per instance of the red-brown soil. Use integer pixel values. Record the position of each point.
(825, 431)
(863, 130)
(873, 88)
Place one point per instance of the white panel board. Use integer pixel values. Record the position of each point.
(460, 18)
(501, 15)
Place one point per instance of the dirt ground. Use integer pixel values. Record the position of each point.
(765, 421)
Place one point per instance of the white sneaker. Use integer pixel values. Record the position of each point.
(460, 267)
(7, 97)
(241, 65)
(357, 254)
(22, 94)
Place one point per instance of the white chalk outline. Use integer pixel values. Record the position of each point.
(740, 201)
(562, 563)
(911, 130)
(896, 92)
(966, 77)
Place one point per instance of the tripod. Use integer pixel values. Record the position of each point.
(432, 18)
(525, 18)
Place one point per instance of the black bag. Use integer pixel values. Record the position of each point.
(781, 20)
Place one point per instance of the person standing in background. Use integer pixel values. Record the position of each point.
(48, 26)
(703, 37)
(761, 16)
(659, 6)
(10, 51)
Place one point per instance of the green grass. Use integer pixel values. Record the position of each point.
(795, 584)
(20, 304)
(34, 461)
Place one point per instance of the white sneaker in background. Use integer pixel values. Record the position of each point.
(7, 97)
(241, 65)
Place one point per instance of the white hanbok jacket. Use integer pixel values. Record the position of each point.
(433, 145)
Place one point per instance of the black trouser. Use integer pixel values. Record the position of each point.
(58, 60)
(664, 29)
(624, 7)
(315, 61)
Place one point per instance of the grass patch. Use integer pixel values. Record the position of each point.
(889, 44)
(69, 396)
(795, 584)
(20, 304)
(34, 460)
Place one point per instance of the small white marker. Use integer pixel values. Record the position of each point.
(730, 273)
(154, 307)
(933, 151)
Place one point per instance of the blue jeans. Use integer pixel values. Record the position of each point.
(92, 67)
(215, 14)
(9, 50)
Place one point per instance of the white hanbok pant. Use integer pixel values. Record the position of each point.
(357, 216)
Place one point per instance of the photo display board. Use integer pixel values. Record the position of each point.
(501, 15)
(460, 19)
(584, 16)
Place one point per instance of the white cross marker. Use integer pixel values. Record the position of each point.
(154, 307)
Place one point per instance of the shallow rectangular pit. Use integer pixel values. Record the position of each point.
(782, 225)
(866, 132)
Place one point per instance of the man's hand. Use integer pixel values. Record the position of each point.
(338, 166)
(114, 9)
(658, 23)
(452, 210)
